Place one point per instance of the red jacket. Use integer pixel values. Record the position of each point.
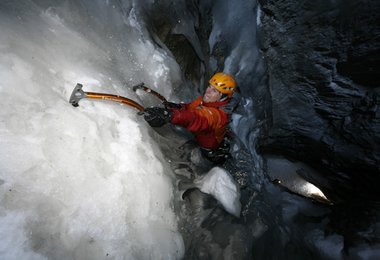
(207, 121)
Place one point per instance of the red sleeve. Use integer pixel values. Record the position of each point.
(190, 120)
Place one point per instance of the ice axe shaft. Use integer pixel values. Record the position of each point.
(151, 91)
(79, 94)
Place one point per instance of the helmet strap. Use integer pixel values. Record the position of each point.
(223, 97)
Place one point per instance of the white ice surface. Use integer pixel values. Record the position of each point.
(86, 182)
(219, 183)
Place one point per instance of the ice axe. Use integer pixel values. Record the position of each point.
(151, 91)
(78, 94)
(164, 101)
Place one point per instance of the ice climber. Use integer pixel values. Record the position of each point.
(207, 117)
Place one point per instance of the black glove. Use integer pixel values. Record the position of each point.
(173, 105)
(157, 116)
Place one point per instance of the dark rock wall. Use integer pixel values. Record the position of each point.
(323, 64)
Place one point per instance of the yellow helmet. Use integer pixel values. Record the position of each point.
(223, 82)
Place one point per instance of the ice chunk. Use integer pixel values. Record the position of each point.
(219, 183)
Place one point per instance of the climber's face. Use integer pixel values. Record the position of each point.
(211, 95)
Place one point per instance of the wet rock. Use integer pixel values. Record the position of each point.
(323, 59)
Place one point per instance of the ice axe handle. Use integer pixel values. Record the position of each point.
(77, 95)
(149, 90)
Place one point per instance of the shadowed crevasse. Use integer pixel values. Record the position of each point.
(323, 60)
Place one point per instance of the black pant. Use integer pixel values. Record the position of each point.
(218, 155)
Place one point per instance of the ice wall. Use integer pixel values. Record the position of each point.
(87, 182)
(234, 47)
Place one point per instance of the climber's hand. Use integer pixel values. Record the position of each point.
(157, 116)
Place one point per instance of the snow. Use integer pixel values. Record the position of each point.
(219, 183)
(75, 182)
